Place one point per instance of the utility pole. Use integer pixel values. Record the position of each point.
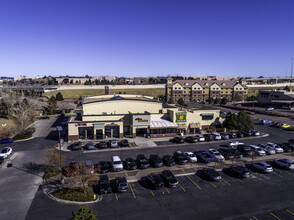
(291, 71)
(59, 129)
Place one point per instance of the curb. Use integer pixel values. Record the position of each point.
(24, 139)
(99, 199)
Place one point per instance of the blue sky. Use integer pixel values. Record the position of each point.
(146, 37)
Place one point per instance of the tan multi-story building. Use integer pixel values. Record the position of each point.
(124, 115)
(202, 90)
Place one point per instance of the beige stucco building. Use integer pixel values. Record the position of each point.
(124, 115)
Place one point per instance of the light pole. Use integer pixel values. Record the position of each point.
(59, 129)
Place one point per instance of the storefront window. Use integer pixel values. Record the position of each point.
(163, 131)
(86, 133)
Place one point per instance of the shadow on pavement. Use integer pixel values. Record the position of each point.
(34, 168)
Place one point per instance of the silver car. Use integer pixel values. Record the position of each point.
(284, 163)
(113, 143)
(263, 167)
(268, 149)
(275, 147)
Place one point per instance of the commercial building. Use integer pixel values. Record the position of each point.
(202, 90)
(123, 115)
(276, 98)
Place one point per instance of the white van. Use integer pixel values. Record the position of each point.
(117, 164)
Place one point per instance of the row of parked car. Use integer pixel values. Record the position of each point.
(216, 136)
(167, 178)
(101, 145)
(276, 124)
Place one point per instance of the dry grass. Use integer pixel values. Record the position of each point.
(9, 130)
(75, 94)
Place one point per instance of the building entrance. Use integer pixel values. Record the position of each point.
(86, 133)
(112, 131)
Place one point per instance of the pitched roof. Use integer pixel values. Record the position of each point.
(206, 83)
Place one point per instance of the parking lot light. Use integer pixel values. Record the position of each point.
(59, 129)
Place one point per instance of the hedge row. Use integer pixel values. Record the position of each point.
(77, 195)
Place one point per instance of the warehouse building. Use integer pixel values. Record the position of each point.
(124, 115)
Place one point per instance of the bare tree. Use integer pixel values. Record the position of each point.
(52, 157)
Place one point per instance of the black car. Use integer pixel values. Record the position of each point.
(76, 146)
(226, 153)
(155, 181)
(240, 134)
(210, 174)
(168, 160)
(142, 162)
(121, 184)
(191, 139)
(180, 158)
(291, 145)
(244, 149)
(277, 124)
(104, 184)
(225, 135)
(125, 143)
(104, 166)
(291, 141)
(236, 152)
(101, 145)
(240, 171)
(155, 161)
(169, 179)
(179, 140)
(208, 137)
(285, 147)
(130, 164)
(247, 133)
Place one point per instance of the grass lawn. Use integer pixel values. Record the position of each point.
(10, 128)
(75, 94)
(77, 195)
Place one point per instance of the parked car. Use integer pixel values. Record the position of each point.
(233, 143)
(240, 134)
(104, 166)
(216, 154)
(90, 146)
(290, 145)
(268, 149)
(116, 163)
(266, 122)
(225, 135)
(101, 145)
(247, 133)
(155, 161)
(6, 141)
(89, 167)
(168, 160)
(269, 109)
(6, 151)
(276, 147)
(240, 171)
(255, 132)
(260, 152)
(76, 146)
(200, 138)
(178, 140)
(191, 139)
(130, 164)
(208, 137)
(104, 184)
(64, 122)
(263, 167)
(227, 154)
(204, 156)
(169, 179)
(142, 162)
(216, 136)
(246, 150)
(121, 184)
(112, 144)
(291, 141)
(284, 163)
(125, 143)
(180, 158)
(210, 174)
(277, 124)
(285, 147)
(284, 125)
(192, 157)
(155, 181)
(233, 134)
(236, 152)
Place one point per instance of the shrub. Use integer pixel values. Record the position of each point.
(22, 136)
(289, 129)
(52, 173)
(77, 195)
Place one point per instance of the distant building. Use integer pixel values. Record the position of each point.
(202, 90)
(276, 98)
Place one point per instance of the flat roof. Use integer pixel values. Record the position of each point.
(101, 98)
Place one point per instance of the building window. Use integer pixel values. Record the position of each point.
(236, 88)
(207, 117)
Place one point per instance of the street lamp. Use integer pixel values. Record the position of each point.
(59, 129)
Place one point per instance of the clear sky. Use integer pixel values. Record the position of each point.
(146, 37)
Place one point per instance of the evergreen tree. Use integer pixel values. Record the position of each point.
(52, 105)
(224, 101)
(244, 121)
(59, 96)
(287, 88)
(84, 213)
(231, 121)
(216, 101)
(181, 102)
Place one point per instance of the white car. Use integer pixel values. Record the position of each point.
(276, 147)
(269, 109)
(6, 151)
(200, 138)
(263, 167)
(117, 164)
(216, 154)
(257, 150)
(217, 136)
(255, 132)
(234, 143)
(192, 157)
(284, 163)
